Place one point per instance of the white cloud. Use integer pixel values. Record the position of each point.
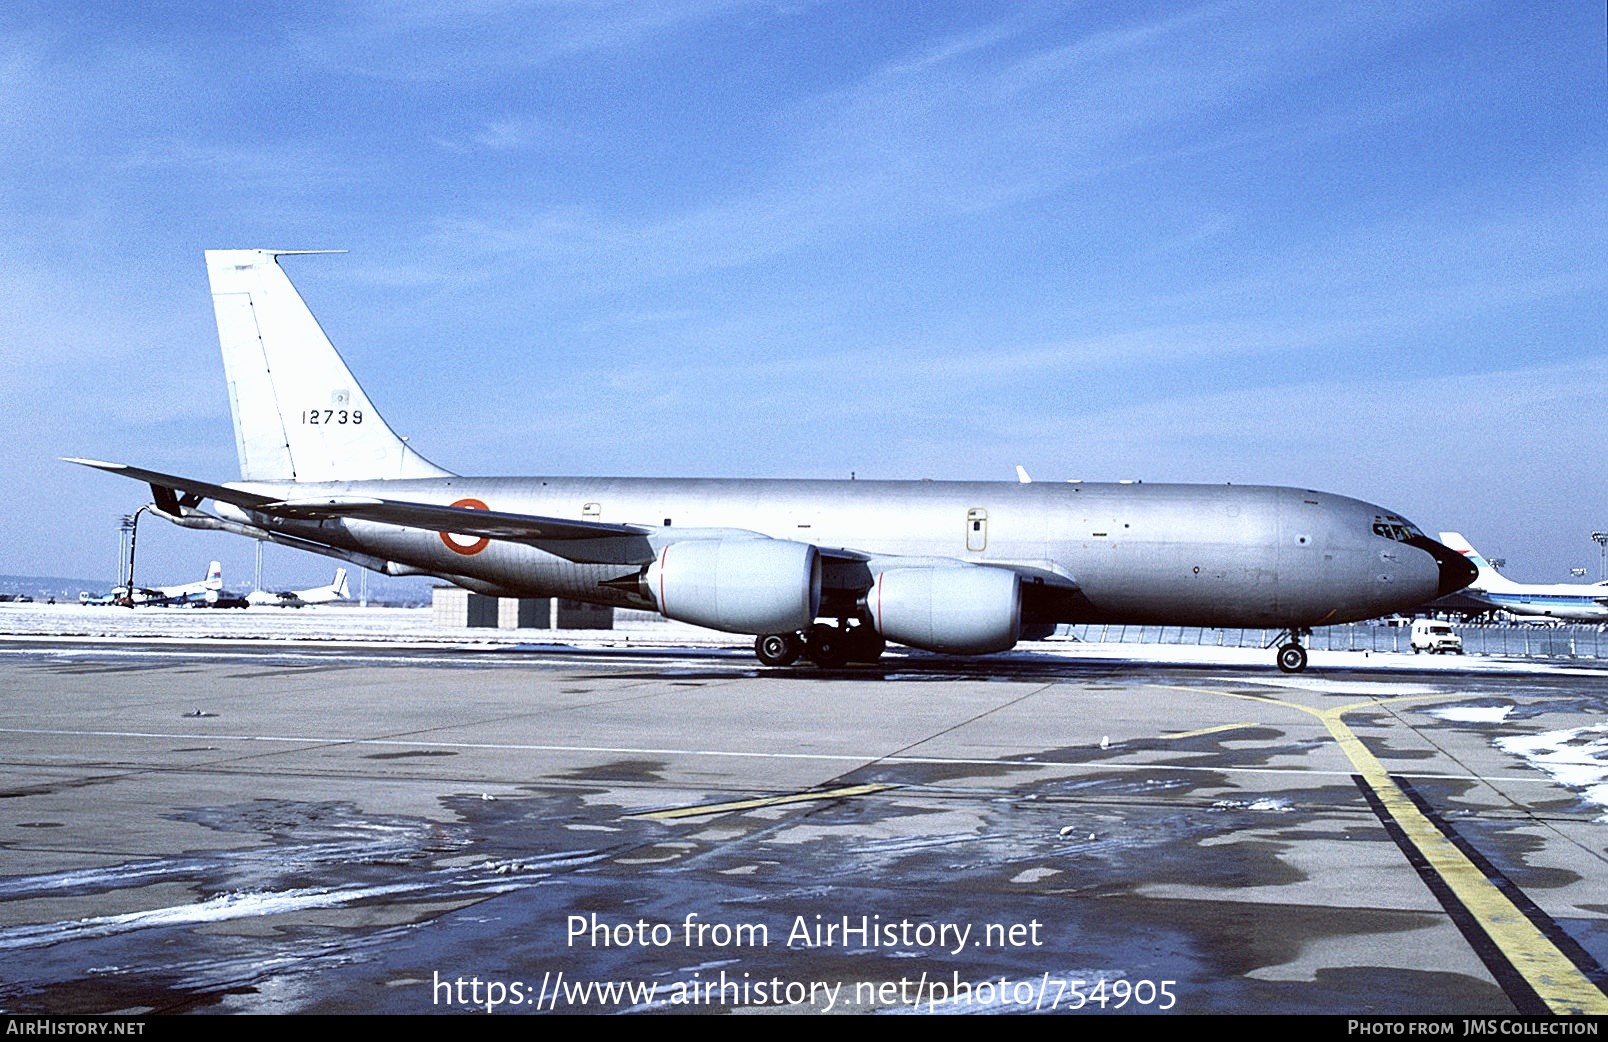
(423, 41)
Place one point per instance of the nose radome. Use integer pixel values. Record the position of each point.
(1456, 571)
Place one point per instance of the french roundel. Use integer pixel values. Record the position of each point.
(462, 544)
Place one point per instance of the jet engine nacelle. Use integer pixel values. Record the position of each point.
(737, 585)
(964, 610)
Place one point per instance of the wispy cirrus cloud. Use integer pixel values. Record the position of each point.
(421, 41)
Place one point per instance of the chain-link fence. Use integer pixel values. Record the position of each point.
(1515, 640)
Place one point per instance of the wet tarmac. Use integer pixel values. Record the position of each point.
(424, 830)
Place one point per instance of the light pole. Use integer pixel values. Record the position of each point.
(131, 527)
(1601, 539)
(125, 534)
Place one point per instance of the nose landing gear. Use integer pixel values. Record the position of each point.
(1292, 657)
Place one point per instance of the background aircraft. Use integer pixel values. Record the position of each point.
(1578, 602)
(829, 569)
(335, 591)
(156, 595)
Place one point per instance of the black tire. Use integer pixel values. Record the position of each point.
(825, 646)
(864, 644)
(778, 649)
(1292, 658)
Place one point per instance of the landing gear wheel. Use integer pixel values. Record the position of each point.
(864, 644)
(778, 649)
(1292, 658)
(825, 646)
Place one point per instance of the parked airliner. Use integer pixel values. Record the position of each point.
(1576, 602)
(832, 570)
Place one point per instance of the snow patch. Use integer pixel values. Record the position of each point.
(1472, 714)
(1576, 758)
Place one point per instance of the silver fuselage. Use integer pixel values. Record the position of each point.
(1201, 555)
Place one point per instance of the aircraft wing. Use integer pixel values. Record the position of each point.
(1037, 573)
(1048, 592)
(167, 486)
(586, 542)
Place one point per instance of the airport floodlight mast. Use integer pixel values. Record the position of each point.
(125, 534)
(1601, 539)
(129, 530)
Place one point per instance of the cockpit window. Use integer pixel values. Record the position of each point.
(1399, 529)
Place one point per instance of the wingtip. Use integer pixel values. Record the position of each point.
(98, 464)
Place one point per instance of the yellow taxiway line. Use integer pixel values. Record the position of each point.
(1176, 735)
(1556, 980)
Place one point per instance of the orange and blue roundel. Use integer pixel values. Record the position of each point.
(459, 544)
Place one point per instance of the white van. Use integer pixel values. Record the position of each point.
(1435, 637)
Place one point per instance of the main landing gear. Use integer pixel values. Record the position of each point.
(1292, 657)
(778, 649)
(823, 644)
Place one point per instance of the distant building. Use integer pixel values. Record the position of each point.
(455, 608)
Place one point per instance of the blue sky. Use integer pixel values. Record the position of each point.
(1358, 247)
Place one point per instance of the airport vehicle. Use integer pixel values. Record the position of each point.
(1435, 637)
(832, 570)
(1577, 602)
(335, 591)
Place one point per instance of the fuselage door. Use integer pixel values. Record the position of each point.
(977, 529)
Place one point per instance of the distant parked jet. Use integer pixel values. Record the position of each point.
(1576, 602)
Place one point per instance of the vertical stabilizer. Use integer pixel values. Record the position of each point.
(298, 413)
(1489, 578)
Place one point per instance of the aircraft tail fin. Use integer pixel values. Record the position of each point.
(214, 580)
(299, 415)
(1489, 577)
(339, 585)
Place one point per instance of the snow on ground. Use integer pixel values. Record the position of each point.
(1576, 758)
(349, 624)
(1472, 714)
(325, 622)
